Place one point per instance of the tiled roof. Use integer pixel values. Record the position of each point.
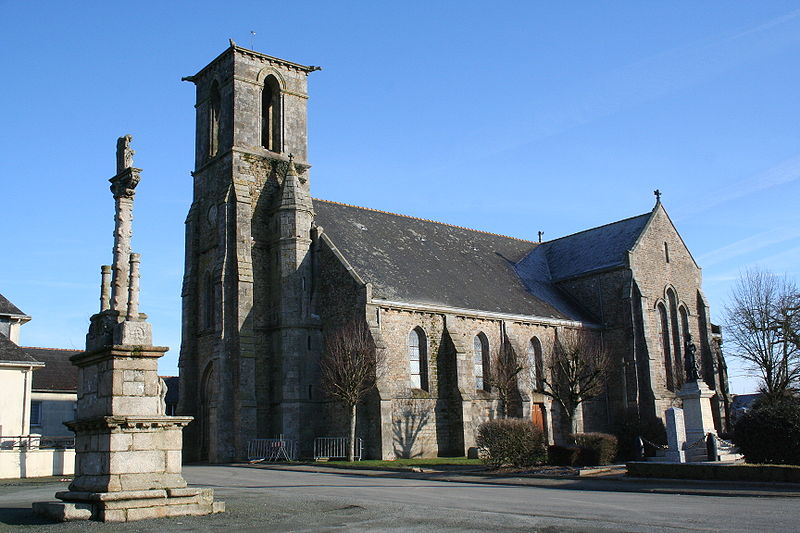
(7, 308)
(59, 374)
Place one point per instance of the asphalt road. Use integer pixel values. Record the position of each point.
(279, 500)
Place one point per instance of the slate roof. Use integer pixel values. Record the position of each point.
(11, 353)
(594, 249)
(7, 308)
(59, 374)
(420, 261)
(173, 389)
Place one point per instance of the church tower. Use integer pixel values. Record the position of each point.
(248, 322)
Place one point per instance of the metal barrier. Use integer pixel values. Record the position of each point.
(272, 450)
(31, 442)
(336, 448)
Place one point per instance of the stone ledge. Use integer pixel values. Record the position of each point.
(111, 496)
(63, 511)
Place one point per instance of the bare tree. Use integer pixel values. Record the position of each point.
(504, 367)
(577, 371)
(762, 322)
(348, 369)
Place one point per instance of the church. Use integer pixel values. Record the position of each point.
(270, 270)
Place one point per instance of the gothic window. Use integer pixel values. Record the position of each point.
(271, 123)
(213, 120)
(481, 353)
(666, 251)
(418, 358)
(208, 301)
(677, 349)
(664, 320)
(535, 364)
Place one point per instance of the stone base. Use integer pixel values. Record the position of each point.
(126, 506)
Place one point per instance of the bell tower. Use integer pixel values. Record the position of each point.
(246, 303)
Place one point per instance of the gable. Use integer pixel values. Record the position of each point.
(420, 261)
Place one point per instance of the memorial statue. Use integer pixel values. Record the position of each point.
(690, 360)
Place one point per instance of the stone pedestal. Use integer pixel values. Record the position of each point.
(127, 452)
(676, 436)
(698, 418)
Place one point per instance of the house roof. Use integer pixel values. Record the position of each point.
(11, 353)
(420, 261)
(59, 374)
(594, 249)
(8, 308)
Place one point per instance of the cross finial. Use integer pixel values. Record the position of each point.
(541, 234)
(658, 195)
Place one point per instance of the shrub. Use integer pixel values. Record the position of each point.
(511, 441)
(770, 431)
(596, 448)
(563, 455)
(628, 431)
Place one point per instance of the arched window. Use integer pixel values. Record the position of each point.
(213, 120)
(664, 320)
(481, 353)
(208, 301)
(418, 358)
(677, 349)
(271, 124)
(535, 364)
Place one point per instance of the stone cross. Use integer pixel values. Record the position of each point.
(658, 195)
(123, 186)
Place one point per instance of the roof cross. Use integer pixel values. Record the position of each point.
(658, 195)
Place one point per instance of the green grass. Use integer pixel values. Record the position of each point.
(407, 463)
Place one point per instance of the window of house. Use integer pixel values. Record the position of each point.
(418, 358)
(535, 364)
(481, 349)
(36, 413)
(271, 115)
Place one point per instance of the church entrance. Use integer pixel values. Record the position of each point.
(539, 417)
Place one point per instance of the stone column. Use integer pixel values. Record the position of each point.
(133, 288)
(105, 288)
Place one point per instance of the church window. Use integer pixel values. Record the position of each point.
(662, 313)
(208, 301)
(535, 364)
(677, 348)
(418, 358)
(213, 120)
(666, 251)
(481, 353)
(271, 123)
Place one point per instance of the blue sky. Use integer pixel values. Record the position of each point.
(511, 117)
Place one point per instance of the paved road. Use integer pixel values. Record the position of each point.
(275, 500)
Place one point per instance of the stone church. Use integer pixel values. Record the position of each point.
(270, 269)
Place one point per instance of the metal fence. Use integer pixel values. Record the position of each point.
(33, 442)
(335, 448)
(272, 450)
